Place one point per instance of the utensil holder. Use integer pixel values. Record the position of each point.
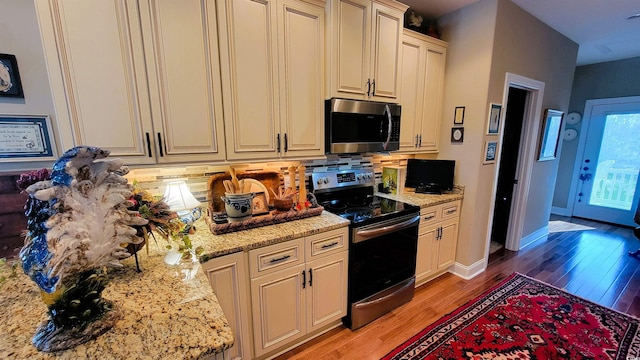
(239, 207)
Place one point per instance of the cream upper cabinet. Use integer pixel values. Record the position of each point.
(121, 76)
(181, 45)
(365, 49)
(421, 89)
(97, 71)
(272, 59)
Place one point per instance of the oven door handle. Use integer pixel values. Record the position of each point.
(361, 235)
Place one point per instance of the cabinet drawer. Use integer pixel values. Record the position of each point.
(428, 215)
(276, 257)
(450, 210)
(327, 243)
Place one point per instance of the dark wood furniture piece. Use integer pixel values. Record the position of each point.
(12, 219)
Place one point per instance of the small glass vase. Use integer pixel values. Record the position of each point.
(77, 313)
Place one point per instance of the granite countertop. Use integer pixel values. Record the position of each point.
(426, 200)
(165, 315)
(219, 245)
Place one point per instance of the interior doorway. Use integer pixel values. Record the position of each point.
(525, 153)
(507, 173)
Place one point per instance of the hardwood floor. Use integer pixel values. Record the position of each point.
(585, 258)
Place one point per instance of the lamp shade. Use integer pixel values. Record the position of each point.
(178, 196)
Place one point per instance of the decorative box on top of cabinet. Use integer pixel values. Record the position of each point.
(421, 91)
(140, 78)
(272, 58)
(437, 240)
(365, 49)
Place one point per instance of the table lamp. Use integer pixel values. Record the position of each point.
(180, 200)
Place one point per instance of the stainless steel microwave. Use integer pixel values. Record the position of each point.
(356, 126)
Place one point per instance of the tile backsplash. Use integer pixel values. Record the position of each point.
(197, 176)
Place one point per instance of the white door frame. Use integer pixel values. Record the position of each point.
(527, 152)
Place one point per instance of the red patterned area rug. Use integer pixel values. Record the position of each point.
(523, 318)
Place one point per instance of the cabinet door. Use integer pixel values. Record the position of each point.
(387, 25)
(181, 43)
(447, 243)
(432, 100)
(301, 61)
(248, 59)
(228, 277)
(426, 256)
(410, 95)
(351, 41)
(278, 307)
(326, 290)
(100, 58)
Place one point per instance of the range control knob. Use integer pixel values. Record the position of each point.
(319, 181)
(326, 180)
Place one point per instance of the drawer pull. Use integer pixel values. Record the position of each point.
(275, 260)
(451, 211)
(326, 246)
(426, 218)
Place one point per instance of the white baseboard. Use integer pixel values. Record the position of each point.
(527, 240)
(468, 272)
(560, 211)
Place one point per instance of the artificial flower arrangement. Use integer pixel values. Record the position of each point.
(161, 220)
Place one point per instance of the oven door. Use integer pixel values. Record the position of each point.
(382, 265)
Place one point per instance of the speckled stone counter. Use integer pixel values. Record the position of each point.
(219, 245)
(426, 200)
(165, 315)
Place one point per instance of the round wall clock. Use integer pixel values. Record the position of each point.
(573, 118)
(570, 134)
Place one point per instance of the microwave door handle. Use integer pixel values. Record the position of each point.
(387, 111)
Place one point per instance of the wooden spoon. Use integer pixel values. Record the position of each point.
(234, 179)
(228, 186)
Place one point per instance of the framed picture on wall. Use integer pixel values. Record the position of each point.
(490, 150)
(493, 122)
(458, 118)
(550, 134)
(10, 85)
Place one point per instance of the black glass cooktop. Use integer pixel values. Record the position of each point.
(368, 209)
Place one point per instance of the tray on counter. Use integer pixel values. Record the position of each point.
(274, 217)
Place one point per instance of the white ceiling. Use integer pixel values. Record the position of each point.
(599, 27)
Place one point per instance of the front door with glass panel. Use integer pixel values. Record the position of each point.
(608, 181)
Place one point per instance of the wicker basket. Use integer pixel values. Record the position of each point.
(284, 204)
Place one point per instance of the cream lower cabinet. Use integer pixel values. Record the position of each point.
(437, 240)
(365, 49)
(229, 278)
(421, 91)
(283, 294)
(272, 57)
(140, 78)
(298, 289)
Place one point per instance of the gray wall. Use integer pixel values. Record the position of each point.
(20, 36)
(597, 81)
(487, 39)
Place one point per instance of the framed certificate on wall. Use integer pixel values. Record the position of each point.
(26, 138)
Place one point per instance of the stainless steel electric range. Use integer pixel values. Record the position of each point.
(383, 242)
